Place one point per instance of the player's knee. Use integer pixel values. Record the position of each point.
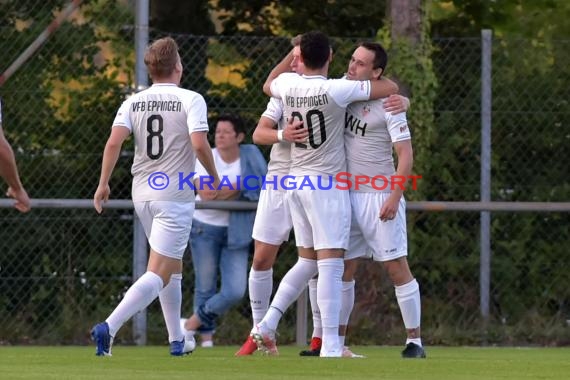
(262, 262)
(399, 271)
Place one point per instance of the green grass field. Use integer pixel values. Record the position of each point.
(140, 363)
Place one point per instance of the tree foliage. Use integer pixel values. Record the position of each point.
(507, 18)
(339, 18)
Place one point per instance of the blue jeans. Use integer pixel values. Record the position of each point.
(209, 248)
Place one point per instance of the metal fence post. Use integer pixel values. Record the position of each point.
(486, 93)
(139, 238)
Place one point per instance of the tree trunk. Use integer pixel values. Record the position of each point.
(406, 17)
(405, 23)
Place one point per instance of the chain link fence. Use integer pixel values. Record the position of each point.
(61, 270)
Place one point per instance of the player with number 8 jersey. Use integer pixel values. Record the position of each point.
(158, 117)
(169, 127)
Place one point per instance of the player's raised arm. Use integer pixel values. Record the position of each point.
(282, 67)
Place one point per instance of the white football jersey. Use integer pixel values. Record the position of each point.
(161, 119)
(280, 156)
(321, 104)
(369, 134)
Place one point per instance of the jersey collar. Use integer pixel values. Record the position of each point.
(313, 76)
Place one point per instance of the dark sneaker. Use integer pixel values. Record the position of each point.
(412, 350)
(182, 347)
(315, 349)
(310, 352)
(103, 341)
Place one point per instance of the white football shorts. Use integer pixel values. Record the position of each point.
(321, 218)
(167, 225)
(369, 236)
(273, 220)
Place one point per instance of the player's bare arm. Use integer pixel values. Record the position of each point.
(110, 156)
(9, 171)
(405, 155)
(396, 104)
(224, 193)
(266, 134)
(282, 67)
(204, 154)
(8, 168)
(382, 88)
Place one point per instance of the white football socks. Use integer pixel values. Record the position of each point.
(346, 306)
(289, 290)
(317, 326)
(140, 295)
(260, 289)
(171, 302)
(329, 289)
(347, 302)
(408, 296)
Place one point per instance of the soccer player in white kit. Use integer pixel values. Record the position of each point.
(272, 221)
(394, 105)
(321, 215)
(169, 125)
(378, 207)
(9, 171)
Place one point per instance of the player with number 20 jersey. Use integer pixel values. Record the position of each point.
(320, 103)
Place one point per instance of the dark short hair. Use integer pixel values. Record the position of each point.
(235, 120)
(380, 55)
(315, 49)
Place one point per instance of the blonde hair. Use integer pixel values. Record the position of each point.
(296, 41)
(161, 57)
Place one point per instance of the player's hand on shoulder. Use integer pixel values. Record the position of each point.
(396, 104)
(101, 196)
(294, 131)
